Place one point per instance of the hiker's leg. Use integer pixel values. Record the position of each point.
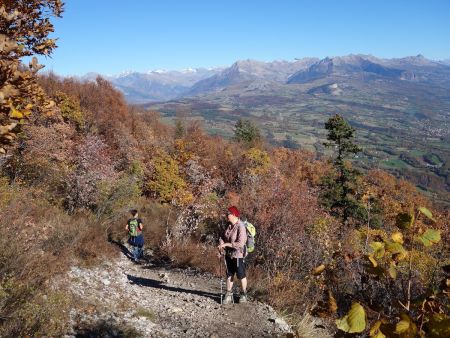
(140, 244)
(241, 275)
(135, 252)
(244, 284)
(231, 270)
(229, 283)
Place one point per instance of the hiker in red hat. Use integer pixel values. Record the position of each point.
(232, 243)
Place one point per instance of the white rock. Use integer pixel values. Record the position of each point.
(175, 310)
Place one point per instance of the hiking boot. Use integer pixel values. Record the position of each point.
(243, 298)
(228, 298)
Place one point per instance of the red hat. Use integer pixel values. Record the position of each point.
(234, 211)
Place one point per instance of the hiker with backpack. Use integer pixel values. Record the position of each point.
(136, 239)
(232, 243)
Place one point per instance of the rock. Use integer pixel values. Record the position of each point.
(282, 324)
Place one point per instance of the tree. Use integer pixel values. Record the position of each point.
(166, 182)
(246, 132)
(340, 189)
(180, 129)
(24, 29)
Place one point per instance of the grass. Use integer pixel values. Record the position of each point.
(143, 312)
(395, 164)
(417, 152)
(309, 327)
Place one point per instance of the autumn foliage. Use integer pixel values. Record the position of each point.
(366, 252)
(95, 158)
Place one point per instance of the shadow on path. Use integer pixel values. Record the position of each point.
(151, 261)
(102, 328)
(160, 285)
(124, 249)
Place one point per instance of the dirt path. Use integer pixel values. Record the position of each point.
(123, 299)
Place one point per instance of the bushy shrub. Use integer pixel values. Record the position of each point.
(92, 167)
(166, 182)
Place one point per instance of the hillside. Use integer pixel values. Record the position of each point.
(400, 107)
(74, 179)
(337, 250)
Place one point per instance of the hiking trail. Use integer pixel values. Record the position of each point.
(122, 299)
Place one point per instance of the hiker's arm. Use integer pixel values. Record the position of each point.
(141, 226)
(126, 227)
(241, 238)
(222, 244)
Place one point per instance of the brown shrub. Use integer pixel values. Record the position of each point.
(191, 253)
(40, 241)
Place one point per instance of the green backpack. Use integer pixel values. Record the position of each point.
(251, 233)
(133, 227)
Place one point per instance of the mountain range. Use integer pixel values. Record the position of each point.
(164, 85)
(156, 85)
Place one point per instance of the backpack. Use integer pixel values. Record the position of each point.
(251, 233)
(133, 227)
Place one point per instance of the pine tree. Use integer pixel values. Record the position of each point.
(246, 132)
(339, 189)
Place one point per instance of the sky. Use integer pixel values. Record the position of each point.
(112, 36)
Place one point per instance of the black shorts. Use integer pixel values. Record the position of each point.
(235, 266)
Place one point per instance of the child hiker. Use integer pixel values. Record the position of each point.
(136, 239)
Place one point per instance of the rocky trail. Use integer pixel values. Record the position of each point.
(123, 299)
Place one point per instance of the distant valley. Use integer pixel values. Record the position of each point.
(400, 107)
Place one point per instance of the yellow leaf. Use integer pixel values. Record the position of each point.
(392, 271)
(332, 305)
(397, 237)
(406, 326)
(15, 114)
(375, 328)
(319, 269)
(373, 261)
(354, 321)
(375, 331)
(426, 212)
(402, 326)
(378, 248)
(50, 104)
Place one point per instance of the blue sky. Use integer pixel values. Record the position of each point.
(110, 36)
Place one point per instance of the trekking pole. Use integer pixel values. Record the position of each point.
(221, 279)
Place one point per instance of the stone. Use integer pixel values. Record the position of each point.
(175, 310)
